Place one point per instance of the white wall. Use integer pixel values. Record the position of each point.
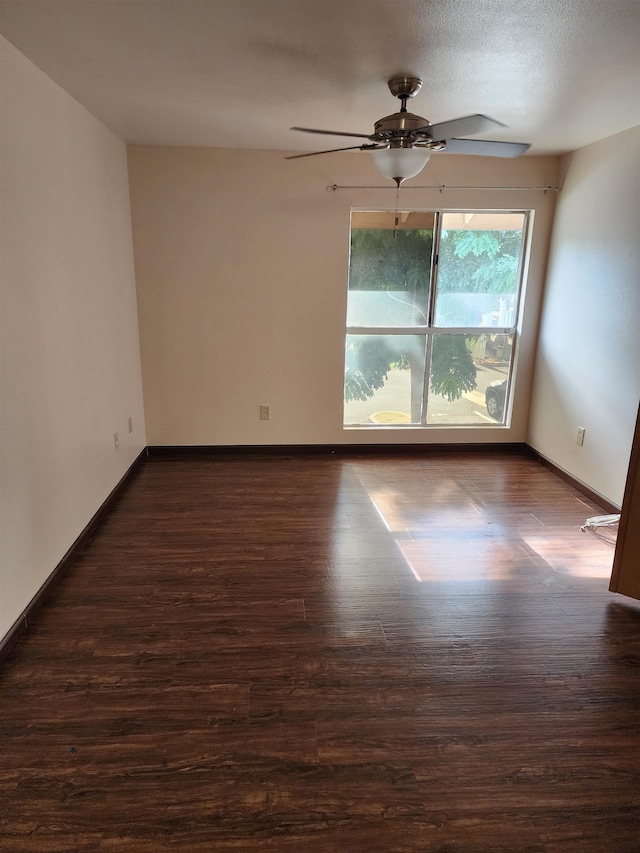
(241, 268)
(70, 354)
(588, 364)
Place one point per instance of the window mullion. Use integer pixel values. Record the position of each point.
(433, 283)
(472, 330)
(386, 330)
(435, 256)
(427, 370)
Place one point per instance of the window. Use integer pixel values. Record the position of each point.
(431, 317)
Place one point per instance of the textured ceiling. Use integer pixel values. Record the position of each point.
(239, 73)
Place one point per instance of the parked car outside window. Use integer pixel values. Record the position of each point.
(494, 398)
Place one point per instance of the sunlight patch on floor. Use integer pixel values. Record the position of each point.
(577, 556)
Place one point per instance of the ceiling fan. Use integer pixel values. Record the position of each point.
(401, 143)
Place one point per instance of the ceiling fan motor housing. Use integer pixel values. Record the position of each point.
(401, 124)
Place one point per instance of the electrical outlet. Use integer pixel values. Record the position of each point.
(580, 436)
(116, 440)
(130, 424)
(265, 413)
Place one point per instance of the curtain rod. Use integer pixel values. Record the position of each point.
(440, 187)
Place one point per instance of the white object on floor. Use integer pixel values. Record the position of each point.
(600, 521)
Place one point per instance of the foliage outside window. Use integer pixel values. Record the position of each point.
(431, 317)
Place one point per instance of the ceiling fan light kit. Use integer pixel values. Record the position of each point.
(401, 143)
(400, 163)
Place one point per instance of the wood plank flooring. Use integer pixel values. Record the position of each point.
(330, 653)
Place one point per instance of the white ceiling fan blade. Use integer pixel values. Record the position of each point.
(331, 151)
(485, 147)
(465, 126)
(330, 132)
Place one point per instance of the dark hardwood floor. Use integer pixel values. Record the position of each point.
(327, 653)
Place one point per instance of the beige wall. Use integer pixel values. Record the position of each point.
(588, 364)
(70, 353)
(241, 267)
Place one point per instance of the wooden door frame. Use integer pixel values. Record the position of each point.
(625, 577)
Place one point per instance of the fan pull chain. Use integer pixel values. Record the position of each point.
(395, 226)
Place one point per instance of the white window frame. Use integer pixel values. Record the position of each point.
(429, 330)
